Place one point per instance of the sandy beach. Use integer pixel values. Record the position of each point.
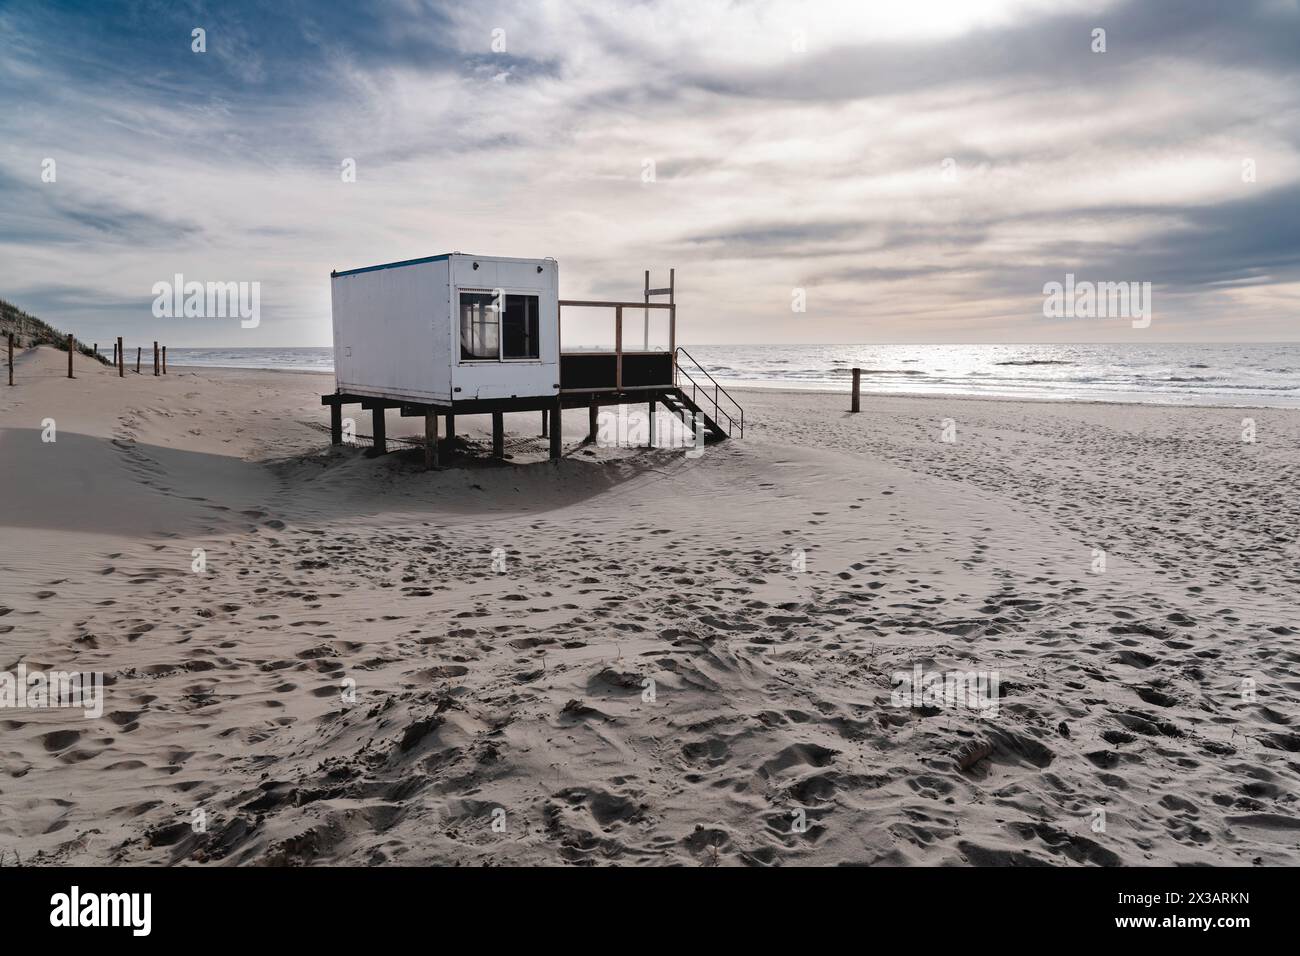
(641, 657)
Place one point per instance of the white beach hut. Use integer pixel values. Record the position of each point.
(459, 334)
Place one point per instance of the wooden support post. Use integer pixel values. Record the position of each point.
(593, 413)
(11, 358)
(114, 355)
(546, 417)
(652, 423)
(451, 426)
(430, 439)
(155, 358)
(556, 446)
(380, 436)
(95, 349)
(672, 341)
(121, 362)
(618, 348)
(139, 349)
(498, 435)
(69, 355)
(857, 382)
(164, 360)
(336, 424)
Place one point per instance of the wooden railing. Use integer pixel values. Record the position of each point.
(618, 308)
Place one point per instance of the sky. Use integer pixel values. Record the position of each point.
(909, 172)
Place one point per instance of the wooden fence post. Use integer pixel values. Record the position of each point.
(155, 358)
(121, 362)
(69, 355)
(139, 349)
(11, 358)
(164, 360)
(857, 381)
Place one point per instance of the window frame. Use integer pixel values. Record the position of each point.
(501, 337)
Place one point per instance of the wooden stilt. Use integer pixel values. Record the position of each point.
(546, 417)
(121, 362)
(651, 441)
(336, 424)
(430, 439)
(69, 355)
(451, 426)
(593, 413)
(556, 446)
(857, 381)
(380, 435)
(498, 435)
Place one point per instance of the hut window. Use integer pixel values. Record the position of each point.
(519, 333)
(489, 334)
(479, 327)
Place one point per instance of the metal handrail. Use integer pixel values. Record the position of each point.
(717, 408)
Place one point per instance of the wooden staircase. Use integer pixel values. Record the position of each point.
(704, 392)
(681, 405)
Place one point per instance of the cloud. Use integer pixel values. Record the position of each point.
(920, 169)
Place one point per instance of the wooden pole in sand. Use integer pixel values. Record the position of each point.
(556, 447)
(121, 362)
(498, 435)
(69, 355)
(164, 360)
(545, 418)
(857, 381)
(155, 358)
(592, 413)
(336, 423)
(11, 358)
(451, 427)
(139, 349)
(380, 436)
(430, 439)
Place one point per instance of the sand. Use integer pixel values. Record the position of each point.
(639, 657)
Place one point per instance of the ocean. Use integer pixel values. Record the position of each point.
(1266, 375)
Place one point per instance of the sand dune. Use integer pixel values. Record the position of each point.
(636, 657)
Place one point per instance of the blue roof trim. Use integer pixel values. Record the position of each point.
(391, 265)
